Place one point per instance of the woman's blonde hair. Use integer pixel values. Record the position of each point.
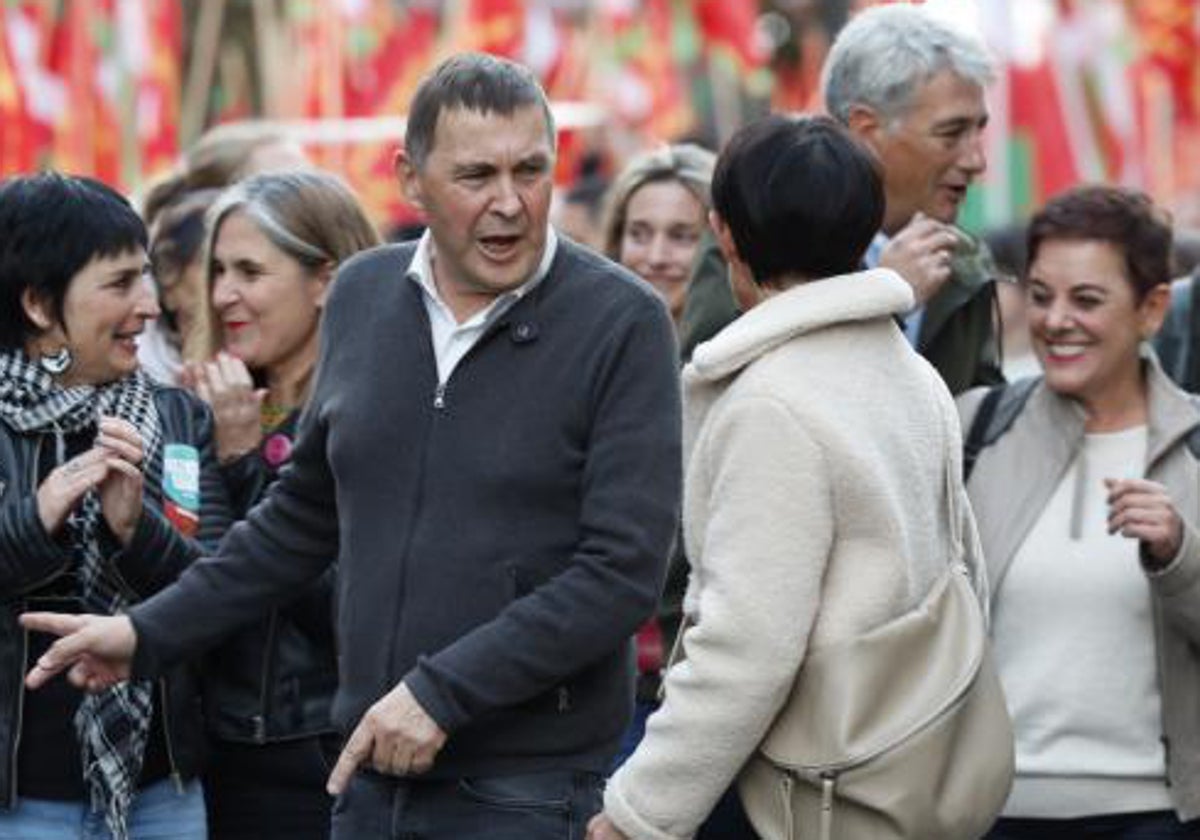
(219, 158)
(686, 163)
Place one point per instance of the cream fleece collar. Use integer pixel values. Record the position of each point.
(811, 306)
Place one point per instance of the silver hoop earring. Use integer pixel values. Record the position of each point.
(56, 363)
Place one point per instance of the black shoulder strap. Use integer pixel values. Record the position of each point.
(974, 443)
(1001, 405)
(1191, 374)
(1193, 442)
(1193, 438)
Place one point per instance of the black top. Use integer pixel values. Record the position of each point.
(49, 764)
(159, 549)
(274, 679)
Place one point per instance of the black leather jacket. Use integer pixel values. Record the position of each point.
(30, 560)
(274, 679)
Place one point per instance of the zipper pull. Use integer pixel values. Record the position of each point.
(828, 782)
(789, 816)
(439, 396)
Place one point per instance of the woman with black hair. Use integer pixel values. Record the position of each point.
(821, 496)
(109, 487)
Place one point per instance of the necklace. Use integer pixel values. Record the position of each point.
(272, 416)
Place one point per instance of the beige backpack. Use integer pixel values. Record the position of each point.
(902, 732)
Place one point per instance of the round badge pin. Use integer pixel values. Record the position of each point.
(277, 448)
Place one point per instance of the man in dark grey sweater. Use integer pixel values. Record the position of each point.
(492, 453)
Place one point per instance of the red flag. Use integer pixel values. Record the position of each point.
(87, 134)
(728, 26)
(17, 133)
(1037, 120)
(1170, 44)
(646, 85)
(394, 49)
(391, 49)
(494, 26)
(159, 83)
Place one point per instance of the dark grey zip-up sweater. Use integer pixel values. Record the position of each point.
(499, 541)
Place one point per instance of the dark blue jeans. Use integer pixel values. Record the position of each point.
(1153, 825)
(537, 806)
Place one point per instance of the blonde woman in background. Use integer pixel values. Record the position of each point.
(656, 215)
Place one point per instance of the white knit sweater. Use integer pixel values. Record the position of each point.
(814, 509)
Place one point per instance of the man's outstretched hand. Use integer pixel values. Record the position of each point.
(95, 650)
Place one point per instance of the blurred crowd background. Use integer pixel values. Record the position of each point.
(1093, 90)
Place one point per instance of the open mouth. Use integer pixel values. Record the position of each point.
(957, 194)
(499, 246)
(667, 280)
(127, 340)
(1065, 352)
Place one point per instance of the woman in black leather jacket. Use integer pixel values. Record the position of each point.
(273, 244)
(109, 487)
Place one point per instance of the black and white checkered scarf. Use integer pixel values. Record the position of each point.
(114, 725)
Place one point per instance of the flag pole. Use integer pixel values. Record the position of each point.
(200, 71)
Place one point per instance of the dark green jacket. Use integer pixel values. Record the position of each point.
(1175, 343)
(957, 334)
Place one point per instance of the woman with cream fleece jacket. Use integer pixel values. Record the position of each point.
(815, 501)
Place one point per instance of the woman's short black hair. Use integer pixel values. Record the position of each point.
(51, 227)
(1125, 218)
(800, 196)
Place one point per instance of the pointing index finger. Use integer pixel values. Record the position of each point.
(353, 754)
(60, 624)
(62, 654)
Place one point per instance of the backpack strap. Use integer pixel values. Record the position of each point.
(1191, 372)
(1001, 405)
(1193, 442)
(1193, 437)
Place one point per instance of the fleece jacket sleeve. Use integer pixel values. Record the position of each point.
(628, 514)
(763, 551)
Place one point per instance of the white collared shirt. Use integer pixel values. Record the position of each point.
(452, 340)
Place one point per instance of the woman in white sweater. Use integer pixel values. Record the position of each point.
(1088, 507)
(818, 444)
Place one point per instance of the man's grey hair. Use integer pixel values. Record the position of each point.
(478, 82)
(886, 52)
